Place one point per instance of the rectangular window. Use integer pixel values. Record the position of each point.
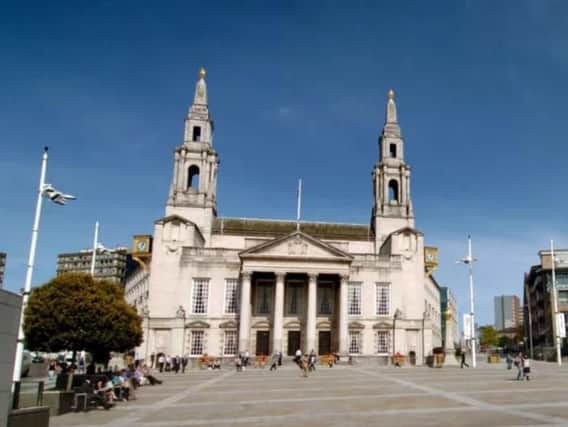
(294, 298)
(562, 297)
(263, 297)
(197, 339)
(200, 294)
(383, 342)
(231, 295)
(230, 346)
(325, 298)
(354, 299)
(383, 299)
(354, 342)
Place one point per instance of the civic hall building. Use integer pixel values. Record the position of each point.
(220, 285)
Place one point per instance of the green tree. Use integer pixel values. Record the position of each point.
(76, 312)
(488, 336)
(505, 342)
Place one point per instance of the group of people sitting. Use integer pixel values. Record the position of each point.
(106, 388)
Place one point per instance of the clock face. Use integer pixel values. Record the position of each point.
(430, 256)
(141, 245)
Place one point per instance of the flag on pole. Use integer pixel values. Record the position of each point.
(55, 195)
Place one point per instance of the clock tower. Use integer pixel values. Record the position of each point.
(392, 208)
(194, 185)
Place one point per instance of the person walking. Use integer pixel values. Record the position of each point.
(184, 361)
(509, 361)
(279, 358)
(304, 365)
(463, 362)
(274, 361)
(152, 360)
(161, 361)
(526, 367)
(519, 365)
(298, 357)
(312, 361)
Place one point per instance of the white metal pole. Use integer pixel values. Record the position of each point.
(555, 331)
(471, 301)
(298, 213)
(95, 243)
(29, 271)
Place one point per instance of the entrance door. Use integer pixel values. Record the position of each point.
(262, 343)
(324, 342)
(293, 342)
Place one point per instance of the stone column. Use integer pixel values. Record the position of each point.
(311, 314)
(244, 318)
(342, 317)
(278, 313)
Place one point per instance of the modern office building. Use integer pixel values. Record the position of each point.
(110, 264)
(507, 312)
(219, 285)
(538, 302)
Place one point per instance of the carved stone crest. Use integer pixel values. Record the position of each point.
(297, 246)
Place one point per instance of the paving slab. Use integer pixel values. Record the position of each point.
(343, 396)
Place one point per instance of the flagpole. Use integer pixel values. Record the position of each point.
(471, 302)
(95, 244)
(298, 213)
(556, 332)
(28, 282)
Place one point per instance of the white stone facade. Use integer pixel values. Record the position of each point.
(221, 285)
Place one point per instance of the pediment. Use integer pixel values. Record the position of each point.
(293, 324)
(296, 245)
(198, 324)
(356, 325)
(261, 324)
(324, 324)
(382, 325)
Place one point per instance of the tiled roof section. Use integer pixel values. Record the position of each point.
(276, 228)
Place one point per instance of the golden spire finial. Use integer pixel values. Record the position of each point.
(202, 73)
(391, 94)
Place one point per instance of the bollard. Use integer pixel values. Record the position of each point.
(40, 388)
(16, 397)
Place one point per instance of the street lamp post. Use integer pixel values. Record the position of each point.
(469, 260)
(29, 271)
(146, 315)
(555, 331)
(59, 198)
(181, 314)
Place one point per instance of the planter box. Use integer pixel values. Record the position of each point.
(37, 416)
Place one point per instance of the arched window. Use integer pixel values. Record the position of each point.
(193, 177)
(392, 150)
(393, 191)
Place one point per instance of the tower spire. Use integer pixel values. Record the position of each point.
(200, 97)
(392, 209)
(391, 127)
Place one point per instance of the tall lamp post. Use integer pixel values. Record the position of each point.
(469, 260)
(555, 323)
(394, 317)
(59, 198)
(181, 314)
(145, 312)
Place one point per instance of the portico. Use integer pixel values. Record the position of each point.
(294, 289)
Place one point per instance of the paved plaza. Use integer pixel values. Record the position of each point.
(344, 396)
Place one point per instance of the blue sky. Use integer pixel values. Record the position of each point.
(297, 89)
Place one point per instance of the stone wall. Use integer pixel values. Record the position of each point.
(10, 305)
